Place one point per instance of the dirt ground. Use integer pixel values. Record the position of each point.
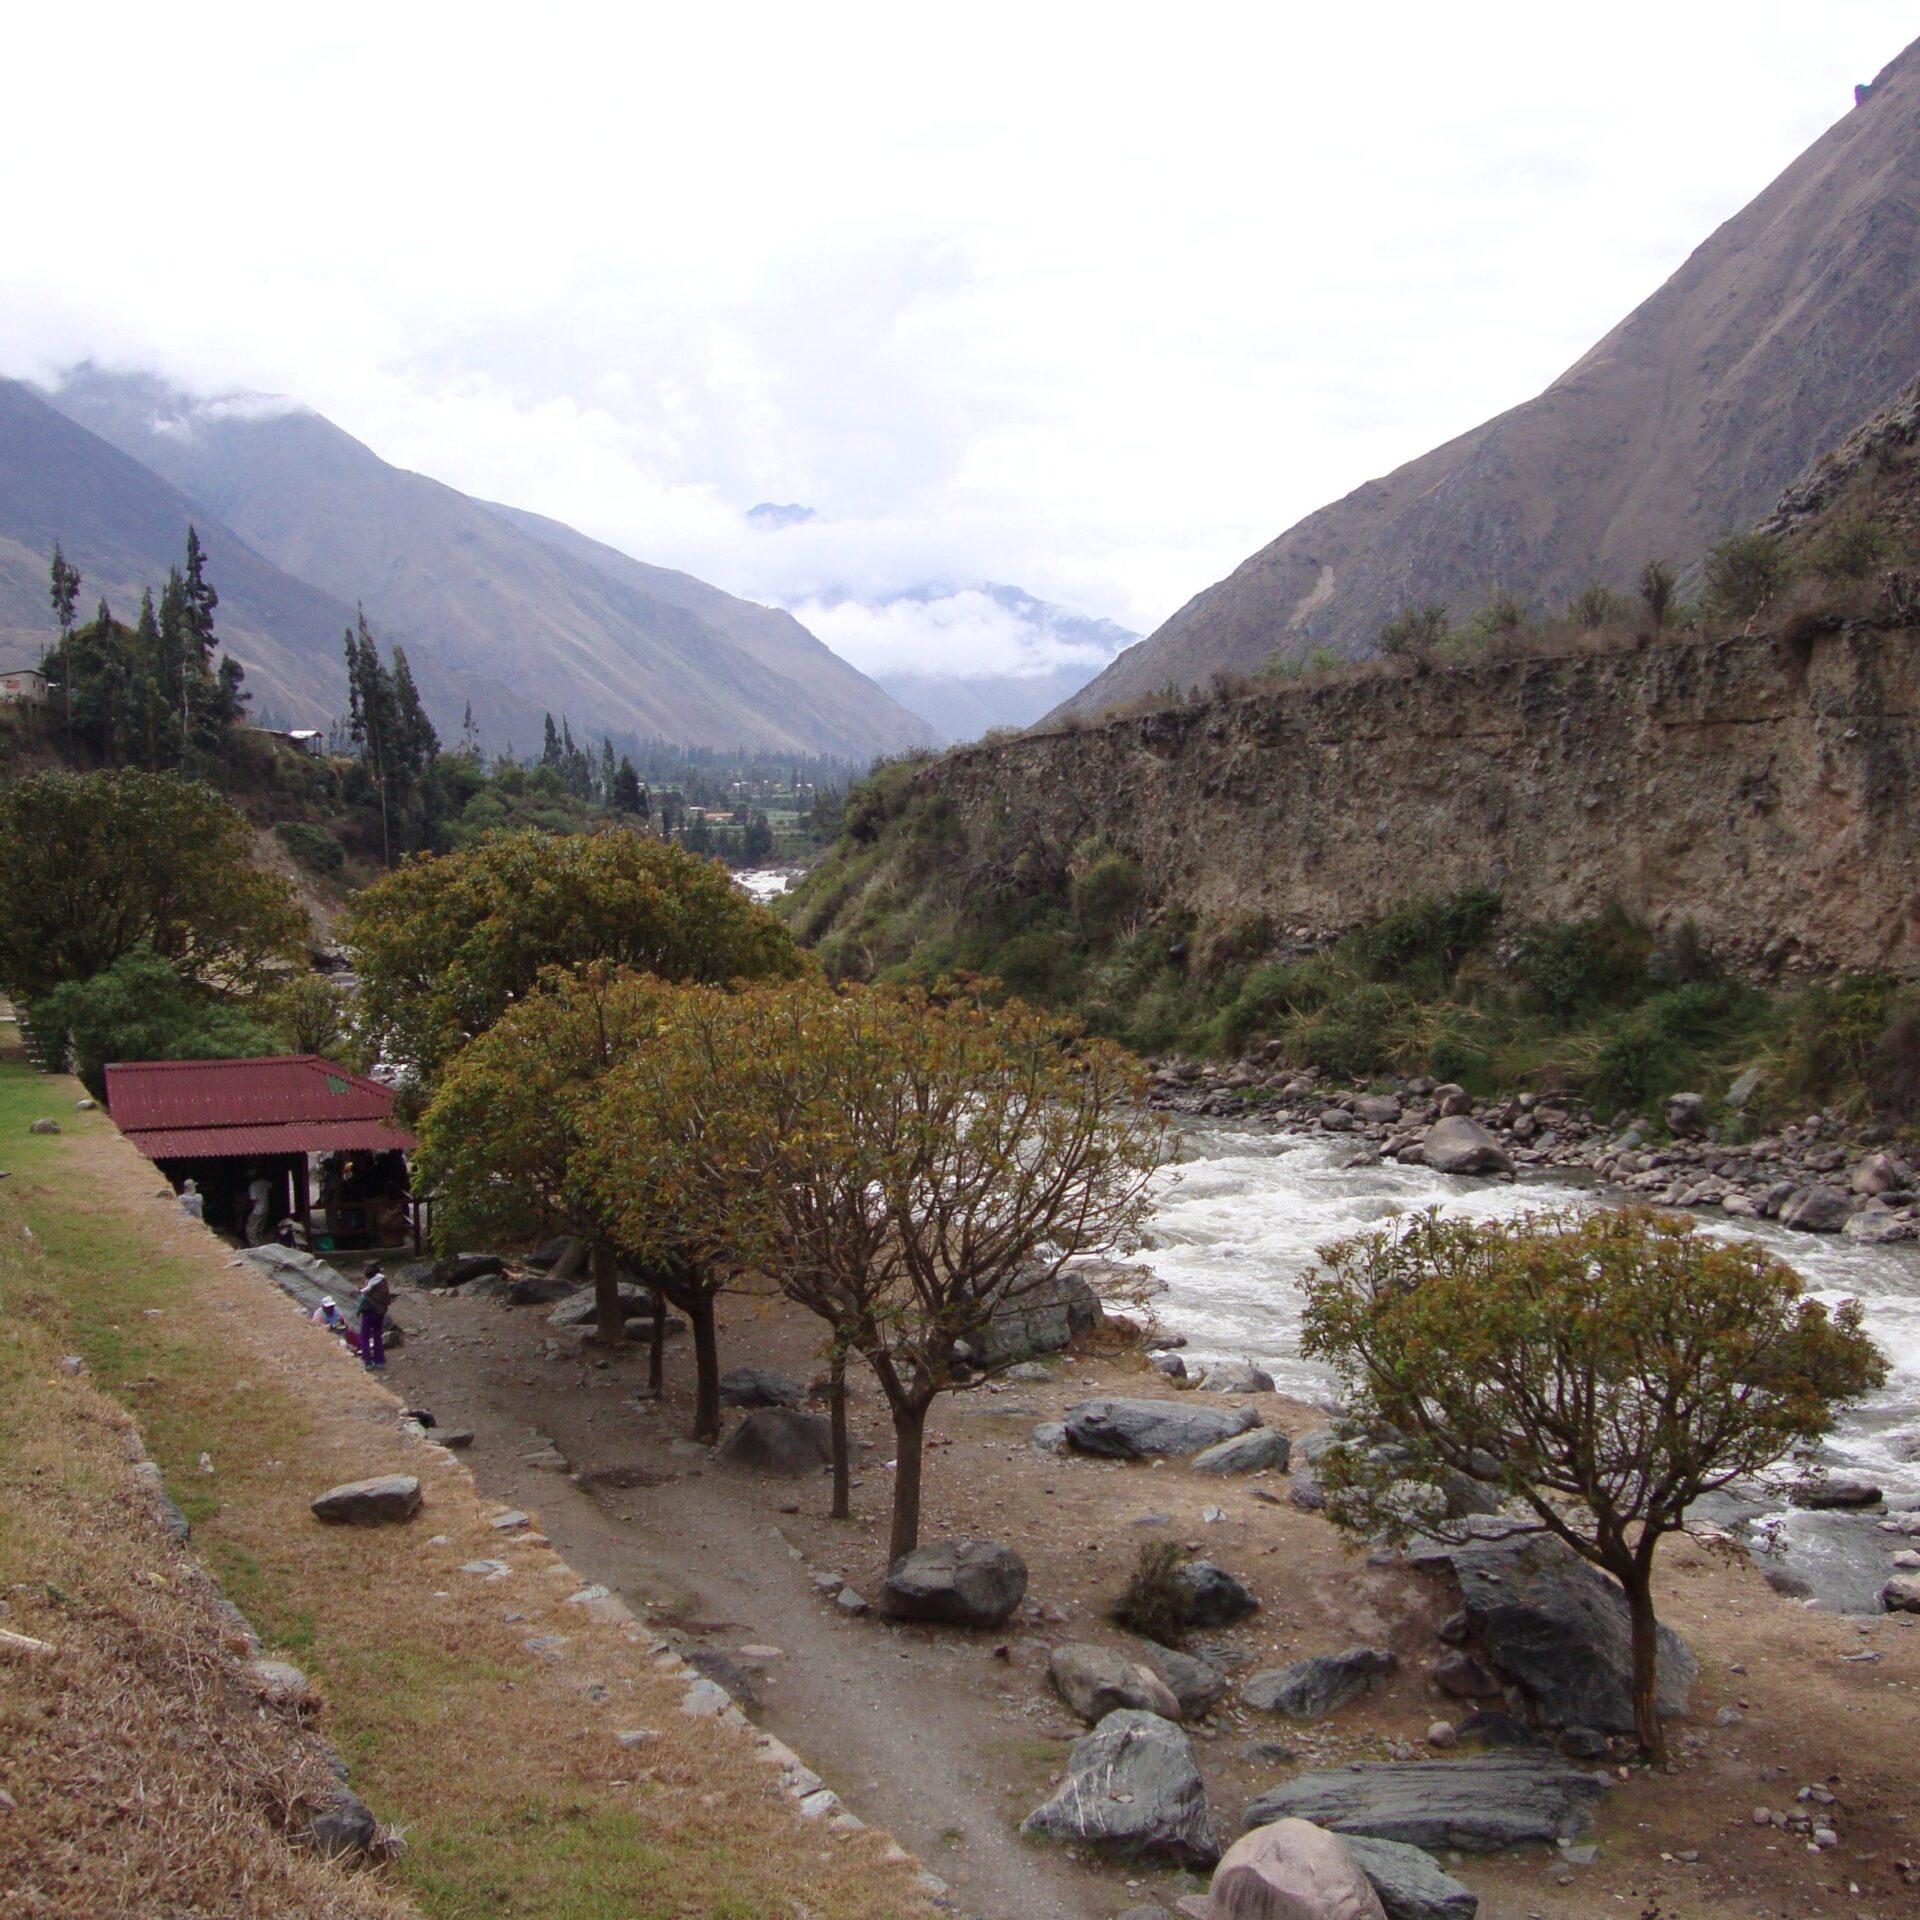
(948, 1739)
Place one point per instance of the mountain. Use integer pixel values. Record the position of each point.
(123, 526)
(519, 615)
(1787, 327)
(1057, 653)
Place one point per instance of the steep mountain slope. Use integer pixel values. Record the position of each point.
(123, 526)
(528, 621)
(1777, 336)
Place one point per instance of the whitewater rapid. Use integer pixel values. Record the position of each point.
(1241, 1211)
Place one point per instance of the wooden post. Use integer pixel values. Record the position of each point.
(303, 1196)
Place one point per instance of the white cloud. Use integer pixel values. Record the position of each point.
(1092, 299)
(965, 633)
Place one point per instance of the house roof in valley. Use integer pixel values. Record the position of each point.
(235, 1109)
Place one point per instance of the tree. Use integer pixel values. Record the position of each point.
(1616, 1366)
(63, 591)
(93, 865)
(756, 844)
(141, 1008)
(1656, 584)
(629, 796)
(1414, 632)
(444, 945)
(500, 1139)
(905, 1165)
(1743, 573)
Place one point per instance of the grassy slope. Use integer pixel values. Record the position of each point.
(514, 1796)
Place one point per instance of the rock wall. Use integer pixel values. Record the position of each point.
(1763, 789)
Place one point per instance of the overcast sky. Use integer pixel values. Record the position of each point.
(1091, 299)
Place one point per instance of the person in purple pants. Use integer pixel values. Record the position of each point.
(372, 1301)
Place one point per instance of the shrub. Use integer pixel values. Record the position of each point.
(1743, 573)
(1155, 1602)
(1658, 1046)
(315, 848)
(1414, 631)
(1427, 935)
(1852, 548)
(1106, 895)
(1656, 584)
(1596, 606)
(1503, 613)
(1585, 963)
(1355, 1035)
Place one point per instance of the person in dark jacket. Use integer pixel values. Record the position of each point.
(372, 1301)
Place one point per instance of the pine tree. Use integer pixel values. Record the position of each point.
(550, 752)
(64, 591)
(469, 734)
(628, 795)
(609, 773)
(370, 715)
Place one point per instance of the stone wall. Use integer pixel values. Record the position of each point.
(1766, 791)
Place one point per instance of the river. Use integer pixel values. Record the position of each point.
(1242, 1210)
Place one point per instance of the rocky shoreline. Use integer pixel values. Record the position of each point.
(1813, 1175)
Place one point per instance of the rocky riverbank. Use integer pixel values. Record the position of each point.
(1813, 1175)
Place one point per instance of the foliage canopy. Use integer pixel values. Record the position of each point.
(1609, 1367)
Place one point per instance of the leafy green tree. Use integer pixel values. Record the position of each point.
(140, 1008)
(756, 843)
(1743, 573)
(1613, 1366)
(445, 944)
(63, 592)
(629, 796)
(93, 865)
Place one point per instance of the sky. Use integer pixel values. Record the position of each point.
(1091, 299)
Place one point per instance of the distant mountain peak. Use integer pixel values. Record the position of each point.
(770, 516)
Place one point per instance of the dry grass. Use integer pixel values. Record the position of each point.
(498, 1762)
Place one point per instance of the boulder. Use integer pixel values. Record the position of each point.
(1558, 1629)
(1336, 1120)
(1460, 1145)
(1236, 1376)
(1464, 1677)
(344, 1828)
(1034, 1316)
(1479, 1805)
(43, 1126)
(1816, 1209)
(1827, 1492)
(1137, 1429)
(1686, 1114)
(1169, 1364)
(1879, 1227)
(384, 1501)
(455, 1270)
(1216, 1597)
(528, 1289)
(1198, 1687)
(1409, 1883)
(758, 1387)
(1880, 1173)
(1096, 1681)
(780, 1441)
(1449, 1099)
(1312, 1689)
(1251, 1452)
(1901, 1594)
(1132, 1792)
(1377, 1109)
(958, 1583)
(577, 1309)
(1291, 1870)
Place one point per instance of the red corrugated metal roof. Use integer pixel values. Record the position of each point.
(216, 1109)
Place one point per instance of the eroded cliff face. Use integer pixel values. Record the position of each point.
(1764, 790)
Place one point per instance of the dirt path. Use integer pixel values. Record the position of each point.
(948, 1741)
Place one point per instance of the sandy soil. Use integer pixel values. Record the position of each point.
(948, 1739)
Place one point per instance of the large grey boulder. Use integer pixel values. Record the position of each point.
(1034, 1316)
(779, 1441)
(1312, 1689)
(1251, 1452)
(958, 1583)
(1291, 1870)
(578, 1308)
(1214, 1596)
(1132, 1792)
(343, 1829)
(1197, 1686)
(758, 1387)
(383, 1501)
(1138, 1429)
(1901, 1594)
(1816, 1209)
(1559, 1629)
(1460, 1145)
(1096, 1681)
(1410, 1883)
(1686, 1113)
(1236, 1376)
(1478, 1806)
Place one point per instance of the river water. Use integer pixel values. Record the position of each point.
(1241, 1212)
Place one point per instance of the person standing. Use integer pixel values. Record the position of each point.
(260, 1206)
(372, 1302)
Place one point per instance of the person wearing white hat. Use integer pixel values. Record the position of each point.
(327, 1314)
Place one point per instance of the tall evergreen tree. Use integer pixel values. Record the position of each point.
(64, 590)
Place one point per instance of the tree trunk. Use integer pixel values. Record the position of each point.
(609, 1317)
(573, 1259)
(706, 1367)
(1646, 1665)
(837, 1408)
(909, 1446)
(657, 1348)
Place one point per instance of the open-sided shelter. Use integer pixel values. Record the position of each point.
(296, 1120)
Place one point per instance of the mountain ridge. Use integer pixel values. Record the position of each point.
(1779, 333)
